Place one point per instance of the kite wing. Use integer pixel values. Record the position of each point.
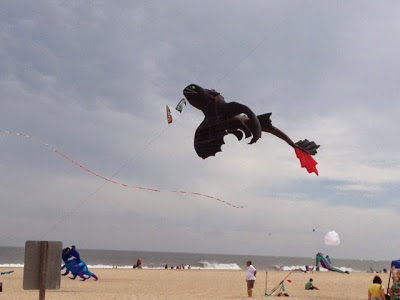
(169, 116)
(306, 161)
(208, 139)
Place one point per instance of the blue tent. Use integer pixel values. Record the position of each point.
(396, 263)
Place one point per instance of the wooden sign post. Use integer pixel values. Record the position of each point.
(42, 266)
(43, 269)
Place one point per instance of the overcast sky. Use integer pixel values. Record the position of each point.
(92, 79)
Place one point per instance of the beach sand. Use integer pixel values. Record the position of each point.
(124, 284)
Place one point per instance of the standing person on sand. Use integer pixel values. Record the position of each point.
(376, 290)
(250, 278)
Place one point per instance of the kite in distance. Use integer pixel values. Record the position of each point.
(169, 116)
(222, 118)
(179, 106)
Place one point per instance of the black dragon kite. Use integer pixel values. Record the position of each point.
(222, 118)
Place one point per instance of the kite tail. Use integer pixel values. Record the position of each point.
(89, 273)
(337, 270)
(306, 161)
(61, 154)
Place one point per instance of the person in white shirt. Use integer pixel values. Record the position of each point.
(250, 278)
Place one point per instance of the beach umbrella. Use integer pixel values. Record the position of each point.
(332, 238)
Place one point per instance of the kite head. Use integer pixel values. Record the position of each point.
(199, 97)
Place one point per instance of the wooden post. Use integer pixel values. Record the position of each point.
(43, 269)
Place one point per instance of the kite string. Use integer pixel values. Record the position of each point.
(109, 179)
(252, 50)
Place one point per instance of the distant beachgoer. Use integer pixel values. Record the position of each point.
(309, 285)
(166, 266)
(376, 291)
(394, 291)
(384, 270)
(308, 268)
(139, 264)
(250, 278)
(189, 267)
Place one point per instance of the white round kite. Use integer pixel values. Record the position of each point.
(332, 238)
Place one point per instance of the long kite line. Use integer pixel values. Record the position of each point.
(58, 152)
(252, 50)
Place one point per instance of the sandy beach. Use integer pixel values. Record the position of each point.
(193, 284)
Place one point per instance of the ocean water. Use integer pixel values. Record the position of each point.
(14, 257)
